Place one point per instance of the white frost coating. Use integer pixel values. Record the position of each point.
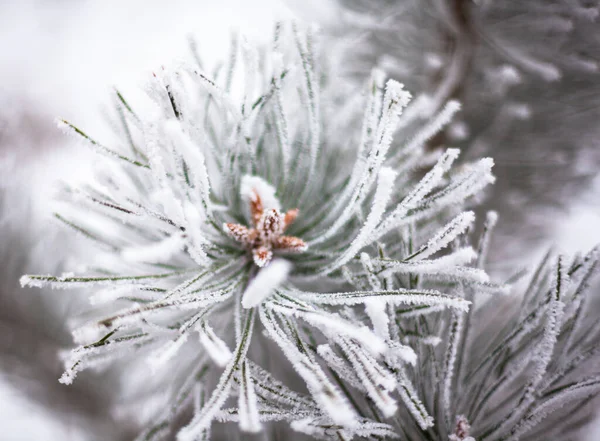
(402, 296)
(274, 390)
(74, 366)
(461, 256)
(160, 356)
(417, 312)
(545, 349)
(470, 275)
(193, 156)
(576, 392)
(377, 382)
(370, 429)
(265, 191)
(310, 427)
(156, 252)
(334, 324)
(222, 98)
(91, 357)
(215, 347)
(108, 295)
(413, 112)
(362, 334)
(311, 85)
(155, 157)
(399, 352)
(281, 123)
(376, 310)
(432, 127)
(69, 129)
(340, 366)
(369, 126)
(472, 181)
(187, 285)
(266, 280)
(68, 376)
(247, 404)
(197, 240)
(207, 298)
(88, 333)
(447, 234)
(372, 112)
(29, 281)
(549, 339)
(267, 413)
(356, 282)
(491, 288)
(367, 264)
(466, 184)
(491, 219)
(166, 199)
(320, 428)
(377, 372)
(277, 64)
(411, 400)
(428, 182)
(202, 420)
(383, 192)
(432, 340)
(456, 327)
(553, 323)
(324, 392)
(395, 100)
(69, 282)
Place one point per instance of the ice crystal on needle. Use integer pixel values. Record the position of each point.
(190, 260)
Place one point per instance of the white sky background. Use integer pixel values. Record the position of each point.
(65, 55)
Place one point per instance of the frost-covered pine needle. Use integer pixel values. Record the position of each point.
(218, 220)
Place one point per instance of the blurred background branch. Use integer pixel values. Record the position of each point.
(527, 76)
